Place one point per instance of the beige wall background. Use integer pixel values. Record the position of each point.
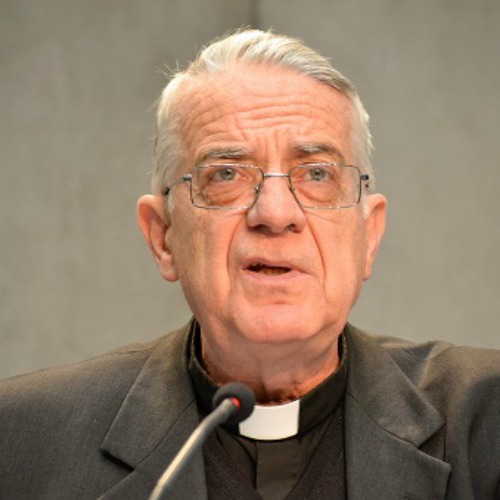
(78, 83)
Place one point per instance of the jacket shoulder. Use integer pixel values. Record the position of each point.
(88, 393)
(436, 359)
(462, 383)
(459, 366)
(64, 385)
(53, 422)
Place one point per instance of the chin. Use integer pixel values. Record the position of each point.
(278, 327)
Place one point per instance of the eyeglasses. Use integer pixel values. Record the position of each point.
(315, 185)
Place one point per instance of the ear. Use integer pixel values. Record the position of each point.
(376, 207)
(155, 224)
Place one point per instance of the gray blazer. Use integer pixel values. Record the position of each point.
(421, 422)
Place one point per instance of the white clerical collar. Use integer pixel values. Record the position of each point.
(269, 423)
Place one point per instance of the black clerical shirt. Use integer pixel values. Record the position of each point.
(275, 469)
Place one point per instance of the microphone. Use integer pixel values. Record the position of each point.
(232, 403)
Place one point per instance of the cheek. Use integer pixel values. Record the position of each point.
(343, 259)
(188, 244)
(202, 242)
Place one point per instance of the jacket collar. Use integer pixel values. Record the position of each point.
(155, 419)
(389, 422)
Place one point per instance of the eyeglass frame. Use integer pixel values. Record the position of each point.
(363, 182)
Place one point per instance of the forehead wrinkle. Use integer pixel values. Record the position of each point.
(271, 111)
(230, 115)
(200, 108)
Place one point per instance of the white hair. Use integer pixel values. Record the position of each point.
(252, 47)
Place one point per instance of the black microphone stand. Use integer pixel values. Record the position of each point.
(234, 402)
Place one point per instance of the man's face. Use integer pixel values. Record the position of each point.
(275, 273)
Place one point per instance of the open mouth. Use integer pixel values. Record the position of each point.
(260, 268)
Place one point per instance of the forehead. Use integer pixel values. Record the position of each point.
(257, 112)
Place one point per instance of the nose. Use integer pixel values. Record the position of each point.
(276, 209)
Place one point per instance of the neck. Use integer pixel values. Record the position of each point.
(276, 373)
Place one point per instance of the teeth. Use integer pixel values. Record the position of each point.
(273, 270)
(269, 270)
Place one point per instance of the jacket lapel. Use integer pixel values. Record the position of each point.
(154, 421)
(389, 423)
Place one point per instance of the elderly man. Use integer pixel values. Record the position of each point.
(264, 210)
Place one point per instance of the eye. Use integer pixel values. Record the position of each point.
(317, 174)
(224, 174)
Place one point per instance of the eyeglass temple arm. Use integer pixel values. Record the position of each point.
(180, 180)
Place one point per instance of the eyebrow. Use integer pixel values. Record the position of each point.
(306, 149)
(229, 153)
(314, 148)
